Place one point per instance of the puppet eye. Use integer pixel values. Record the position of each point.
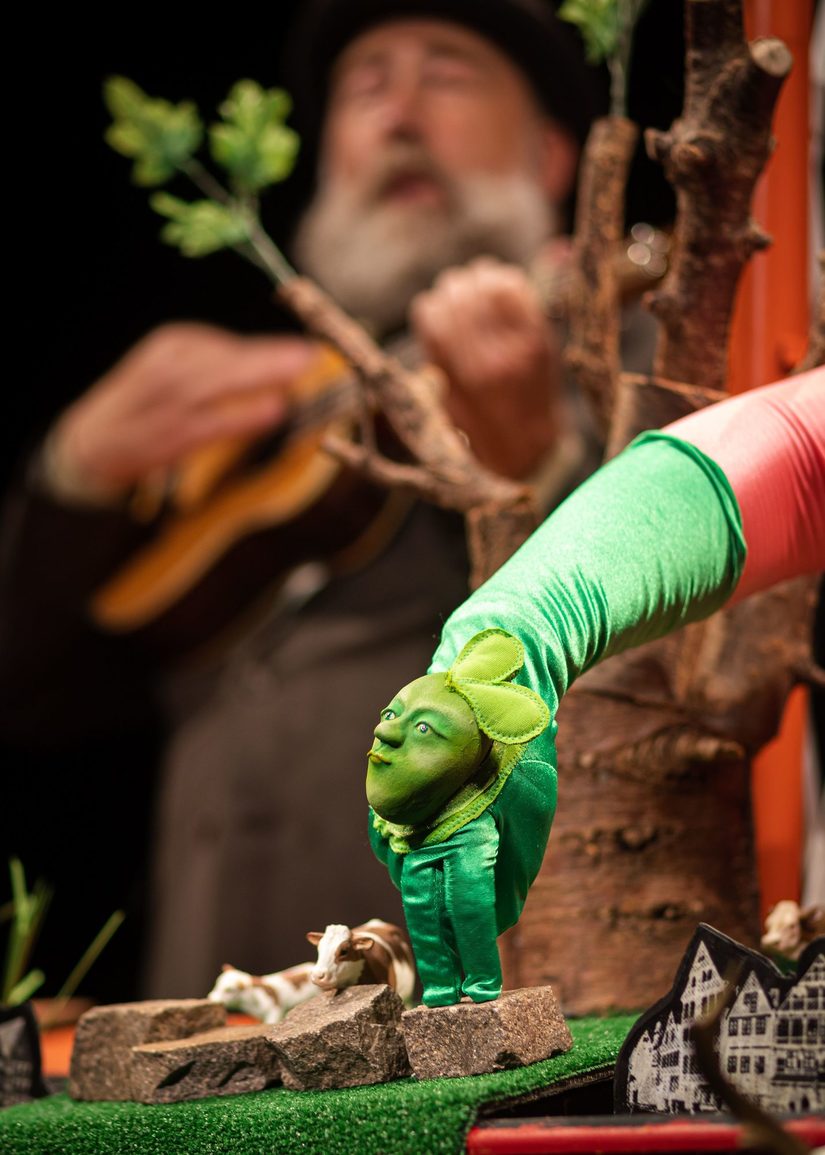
(388, 715)
(423, 728)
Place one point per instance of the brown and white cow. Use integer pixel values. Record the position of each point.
(377, 952)
(789, 928)
(264, 997)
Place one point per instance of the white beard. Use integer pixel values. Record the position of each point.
(374, 255)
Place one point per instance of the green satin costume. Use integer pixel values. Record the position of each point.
(652, 541)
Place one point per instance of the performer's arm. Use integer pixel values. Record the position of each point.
(655, 538)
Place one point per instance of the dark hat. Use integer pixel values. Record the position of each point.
(547, 50)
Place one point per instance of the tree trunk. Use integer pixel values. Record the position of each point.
(653, 832)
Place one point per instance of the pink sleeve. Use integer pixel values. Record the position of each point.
(770, 443)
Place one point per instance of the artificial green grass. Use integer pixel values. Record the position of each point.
(429, 1118)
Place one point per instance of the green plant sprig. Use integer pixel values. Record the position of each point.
(90, 954)
(250, 142)
(606, 27)
(28, 910)
(25, 912)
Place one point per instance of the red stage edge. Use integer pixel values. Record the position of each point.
(583, 1136)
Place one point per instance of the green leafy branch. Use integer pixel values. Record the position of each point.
(251, 142)
(606, 27)
(26, 912)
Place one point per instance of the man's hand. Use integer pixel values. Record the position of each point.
(484, 326)
(182, 386)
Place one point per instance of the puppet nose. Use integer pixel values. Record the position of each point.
(388, 733)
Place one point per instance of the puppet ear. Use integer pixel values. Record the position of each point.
(491, 656)
(510, 714)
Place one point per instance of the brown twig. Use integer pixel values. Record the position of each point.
(592, 351)
(713, 155)
(500, 513)
(643, 402)
(764, 1132)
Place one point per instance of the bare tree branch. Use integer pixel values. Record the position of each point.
(592, 351)
(713, 155)
(500, 513)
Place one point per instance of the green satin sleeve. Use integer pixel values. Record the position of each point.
(651, 541)
(523, 814)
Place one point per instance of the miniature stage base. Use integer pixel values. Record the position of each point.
(516, 1029)
(395, 1118)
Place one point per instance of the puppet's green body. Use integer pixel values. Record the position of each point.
(652, 541)
(462, 892)
(472, 835)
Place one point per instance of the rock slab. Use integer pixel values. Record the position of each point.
(350, 1038)
(518, 1028)
(225, 1061)
(102, 1063)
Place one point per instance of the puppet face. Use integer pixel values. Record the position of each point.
(427, 745)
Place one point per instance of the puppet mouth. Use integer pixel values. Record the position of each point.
(374, 756)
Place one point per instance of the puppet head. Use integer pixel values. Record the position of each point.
(443, 730)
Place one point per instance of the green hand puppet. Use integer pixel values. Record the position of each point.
(651, 541)
(444, 753)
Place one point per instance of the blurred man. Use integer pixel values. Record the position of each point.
(449, 135)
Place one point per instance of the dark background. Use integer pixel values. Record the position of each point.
(88, 277)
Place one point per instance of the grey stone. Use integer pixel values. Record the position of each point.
(518, 1028)
(101, 1066)
(226, 1061)
(348, 1038)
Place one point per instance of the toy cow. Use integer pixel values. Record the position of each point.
(265, 997)
(377, 952)
(789, 928)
